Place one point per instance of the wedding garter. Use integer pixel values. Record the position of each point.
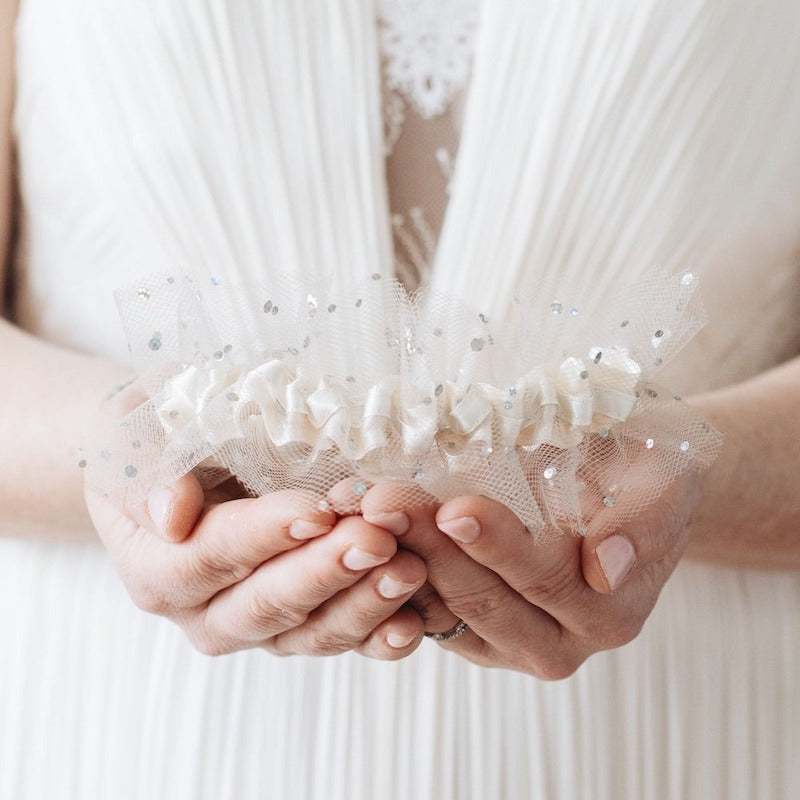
(303, 384)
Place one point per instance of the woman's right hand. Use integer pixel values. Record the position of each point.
(271, 572)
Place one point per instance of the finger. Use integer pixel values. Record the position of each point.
(346, 495)
(397, 637)
(282, 592)
(545, 571)
(227, 544)
(616, 553)
(174, 510)
(392, 505)
(389, 504)
(346, 620)
(461, 587)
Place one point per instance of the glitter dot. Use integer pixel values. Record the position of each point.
(215, 281)
(427, 400)
(556, 307)
(651, 393)
(624, 323)
(549, 473)
(573, 312)
(477, 344)
(274, 310)
(82, 463)
(684, 446)
(155, 341)
(174, 413)
(376, 276)
(419, 475)
(359, 303)
(438, 390)
(324, 505)
(687, 279)
(609, 501)
(143, 293)
(359, 489)
(170, 280)
(603, 434)
(232, 396)
(512, 391)
(649, 444)
(268, 306)
(658, 334)
(437, 331)
(227, 348)
(487, 450)
(131, 471)
(508, 405)
(584, 374)
(597, 357)
(306, 341)
(218, 355)
(350, 379)
(483, 318)
(331, 308)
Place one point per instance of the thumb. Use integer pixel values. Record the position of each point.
(175, 509)
(618, 546)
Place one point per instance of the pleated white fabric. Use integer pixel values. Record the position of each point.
(239, 138)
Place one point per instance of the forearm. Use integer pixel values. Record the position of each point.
(750, 511)
(48, 404)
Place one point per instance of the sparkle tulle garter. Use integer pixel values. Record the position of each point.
(300, 385)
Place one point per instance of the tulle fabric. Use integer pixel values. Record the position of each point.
(299, 385)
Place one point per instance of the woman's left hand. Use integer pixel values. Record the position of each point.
(538, 606)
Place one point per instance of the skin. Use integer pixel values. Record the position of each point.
(232, 575)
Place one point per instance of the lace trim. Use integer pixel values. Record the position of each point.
(427, 49)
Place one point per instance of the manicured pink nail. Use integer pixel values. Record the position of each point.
(395, 522)
(357, 560)
(616, 556)
(159, 507)
(462, 529)
(398, 640)
(305, 529)
(391, 589)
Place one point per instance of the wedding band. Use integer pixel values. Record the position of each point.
(453, 633)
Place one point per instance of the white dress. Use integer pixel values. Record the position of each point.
(663, 133)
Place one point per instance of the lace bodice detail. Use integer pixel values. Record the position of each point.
(426, 53)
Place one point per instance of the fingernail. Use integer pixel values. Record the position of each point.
(390, 588)
(395, 522)
(398, 640)
(462, 529)
(356, 559)
(616, 556)
(159, 507)
(305, 529)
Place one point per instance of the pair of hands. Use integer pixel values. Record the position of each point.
(278, 573)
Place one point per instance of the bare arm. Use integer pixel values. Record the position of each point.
(749, 512)
(49, 395)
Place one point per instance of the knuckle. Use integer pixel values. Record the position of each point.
(147, 597)
(210, 646)
(556, 666)
(270, 614)
(624, 630)
(477, 603)
(561, 584)
(208, 566)
(322, 641)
